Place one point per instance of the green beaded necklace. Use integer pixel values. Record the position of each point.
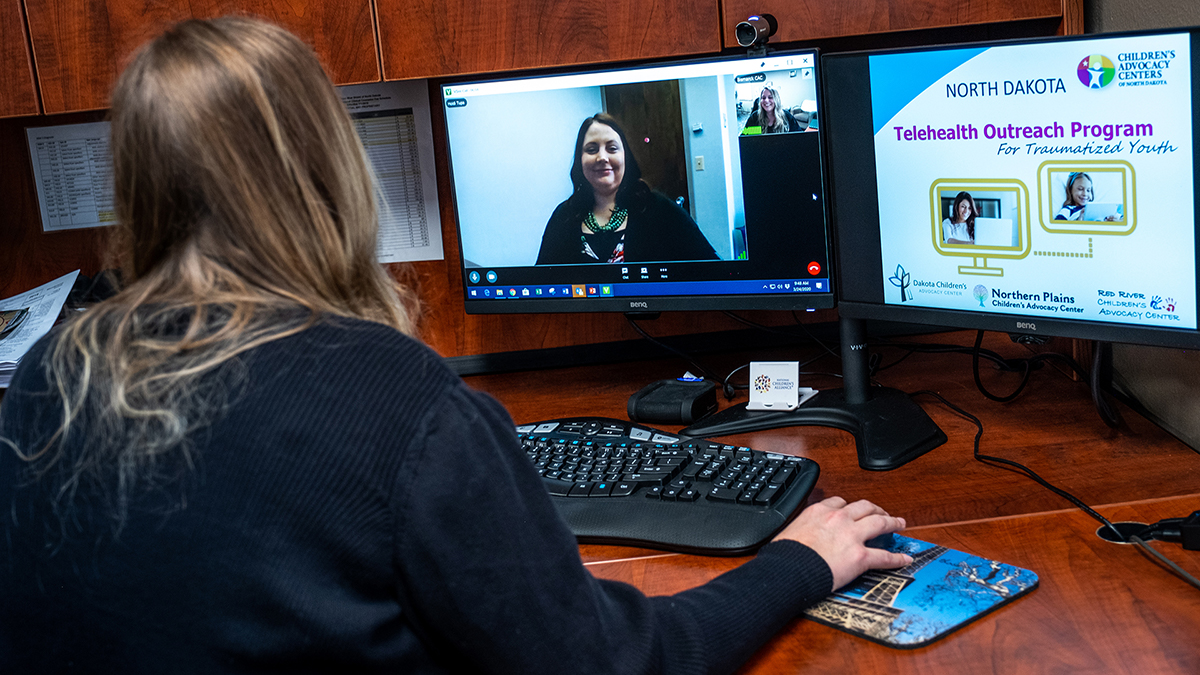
(616, 221)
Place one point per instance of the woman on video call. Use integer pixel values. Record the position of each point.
(613, 216)
(243, 463)
(769, 116)
(959, 228)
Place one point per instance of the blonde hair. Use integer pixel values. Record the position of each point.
(248, 214)
(777, 111)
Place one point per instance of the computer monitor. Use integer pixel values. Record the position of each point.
(729, 211)
(1040, 187)
(1043, 187)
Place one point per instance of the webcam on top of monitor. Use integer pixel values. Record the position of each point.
(756, 30)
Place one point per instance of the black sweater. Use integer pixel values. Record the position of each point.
(657, 230)
(355, 509)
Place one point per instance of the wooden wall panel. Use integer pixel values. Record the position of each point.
(432, 38)
(80, 46)
(819, 19)
(19, 96)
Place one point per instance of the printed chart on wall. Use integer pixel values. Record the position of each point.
(392, 119)
(72, 168)
(1024, 179)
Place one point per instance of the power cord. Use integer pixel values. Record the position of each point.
(705, 372)
(1108, 414)
(1193, 520)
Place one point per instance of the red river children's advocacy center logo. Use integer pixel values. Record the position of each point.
(1096, 71)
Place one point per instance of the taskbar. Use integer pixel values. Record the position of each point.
(652, 289)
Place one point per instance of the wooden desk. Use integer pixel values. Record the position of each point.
(1100, 607)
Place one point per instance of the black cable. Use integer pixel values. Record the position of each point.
(1164, 560)
(1022, 469)
(935, 348)
(705, 372)
(979, 381)
(774, 329)
(1108, 413)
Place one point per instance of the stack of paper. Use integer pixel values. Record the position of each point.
(26, 317)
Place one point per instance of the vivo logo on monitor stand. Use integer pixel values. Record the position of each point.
(1027, 324)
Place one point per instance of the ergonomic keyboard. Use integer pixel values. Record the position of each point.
(616, 482)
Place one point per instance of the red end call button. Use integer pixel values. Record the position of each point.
(814, 268)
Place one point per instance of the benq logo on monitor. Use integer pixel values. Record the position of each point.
(1028, 325)
(638, 305)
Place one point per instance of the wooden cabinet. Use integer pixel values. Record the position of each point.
(819, 19)
(16, 69)
(432, 38)
(80, 46)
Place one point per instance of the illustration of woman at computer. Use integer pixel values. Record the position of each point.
(769, 116)
(613, 216)
(1079, 193)
(959, 228)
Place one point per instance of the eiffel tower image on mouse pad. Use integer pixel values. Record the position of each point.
(911, 606)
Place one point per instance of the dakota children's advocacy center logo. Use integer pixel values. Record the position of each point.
(901, 280)
(1096, 71)
(762, 384)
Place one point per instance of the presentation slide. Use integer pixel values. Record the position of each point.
(1043, 180)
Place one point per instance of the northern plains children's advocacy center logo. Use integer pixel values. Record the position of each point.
(1096, 71)
(980, 293)
(762, 384)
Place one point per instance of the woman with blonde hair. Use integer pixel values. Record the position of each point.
(769, 116)
(243, 463)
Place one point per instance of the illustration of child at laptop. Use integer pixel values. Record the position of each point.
(1079, 194)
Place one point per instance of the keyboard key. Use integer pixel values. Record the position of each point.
(768, 495)
(601, 489)
(784, 476)
(580, 489)
(558, 488)
(623, 489)
(720, 494)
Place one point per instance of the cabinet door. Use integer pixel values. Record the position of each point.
(431, 38)
(16, 71)
(80, 45)
(812, 19)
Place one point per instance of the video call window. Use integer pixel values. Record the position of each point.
(668, 139)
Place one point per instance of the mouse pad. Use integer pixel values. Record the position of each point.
(940, 591)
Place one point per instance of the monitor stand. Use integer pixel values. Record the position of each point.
(888, 427)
